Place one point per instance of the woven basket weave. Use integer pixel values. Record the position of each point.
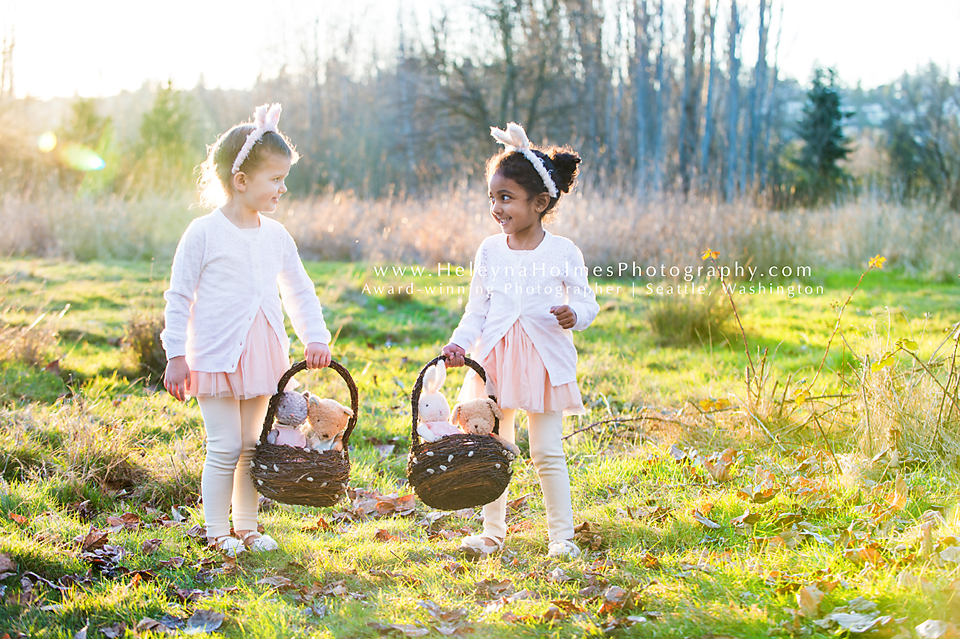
(457, 471)
(297, 476)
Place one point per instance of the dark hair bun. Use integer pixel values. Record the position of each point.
(565, 161)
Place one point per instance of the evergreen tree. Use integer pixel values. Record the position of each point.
(87, 140)
(166, 151)
(825, 145)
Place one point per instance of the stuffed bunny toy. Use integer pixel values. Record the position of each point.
(327, 419)
(434, 411)
(291, 412)
(477, 417)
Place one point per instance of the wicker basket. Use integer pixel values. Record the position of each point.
(297, 476)
(457, 471)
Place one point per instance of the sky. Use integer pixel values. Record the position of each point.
(101, 47)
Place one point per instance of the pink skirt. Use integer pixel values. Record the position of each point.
(262, 364)
(518, 378)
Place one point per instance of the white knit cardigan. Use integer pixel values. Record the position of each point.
(509, 286)
(221, 277)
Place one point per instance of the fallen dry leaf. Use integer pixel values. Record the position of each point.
(153, 625)
(519, 503)
(20, 519)
(655, 513)
(864, 555)
(553, 614)
(614, 598)
(702, 567)
(113, 631)
(907, 579)
(786, 539)
(447, 616)
(520, 596)
(173, 562)
(370, 503)
(150, 546)
(490, 588)
(127, 521)
(951, 554)
(587, 535)
(746, 519)
(936, 629)
(405, 629)
(854, 622)
(276, 581)
(763, 489)
(383, 535)
(321, 525)
(451, 630)
(203, 621)
(704, 520)
(720, 465)
(511, 617)
(558, 575)
(8, 566)
(568, 606)
(808, 601)
(604, 564)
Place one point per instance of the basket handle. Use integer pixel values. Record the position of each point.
(282, 384)
(415, 441)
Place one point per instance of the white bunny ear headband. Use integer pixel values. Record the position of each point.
(265, 118)
(515, 139)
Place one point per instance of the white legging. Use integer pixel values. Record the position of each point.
(233, 428)
(546, 450)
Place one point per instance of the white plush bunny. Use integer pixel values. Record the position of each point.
(434, 411)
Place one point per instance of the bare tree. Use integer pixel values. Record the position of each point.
(614, 112)
(733, 107)
(774, 107)
(708, 120)
(757, 95)
(641, 82)
(6, 64)
(587, 24)
(659, 155)
(689, 99)
(542, 31)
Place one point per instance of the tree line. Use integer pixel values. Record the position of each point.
(656, 101)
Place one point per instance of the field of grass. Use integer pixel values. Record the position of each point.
(701, 513)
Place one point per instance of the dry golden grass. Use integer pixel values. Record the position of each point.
(908, 408)
(34, 344)
(609, 225)
(142, 335)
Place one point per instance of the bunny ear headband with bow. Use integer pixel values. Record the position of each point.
(265, 118)
(515, 139)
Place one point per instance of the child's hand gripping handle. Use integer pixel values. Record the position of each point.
(455, 355)
(317, 355)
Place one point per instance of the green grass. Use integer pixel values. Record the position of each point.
(94, 442)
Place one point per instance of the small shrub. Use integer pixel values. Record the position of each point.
(689, 320)
(18, 459)
(33, 345)
(905, 411)
(143, 338)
